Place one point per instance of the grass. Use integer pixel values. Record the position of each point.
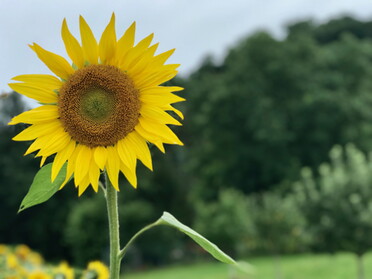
(339, 266)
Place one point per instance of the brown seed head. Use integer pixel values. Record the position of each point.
(99, 105)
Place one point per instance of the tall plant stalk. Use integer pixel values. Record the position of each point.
(113, 219)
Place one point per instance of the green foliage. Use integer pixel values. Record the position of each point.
(42, 188)
(10, 106)
(332, 30)
(39, 226)
(306, 266)
(86, 231)
(211, 248)
(90, 216)
(168, 219)
(338, 204)
(226, 222)
(243, 224)
(279, 225)
(273, 106)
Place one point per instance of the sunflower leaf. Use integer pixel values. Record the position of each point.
(170, 220)
(42, 188)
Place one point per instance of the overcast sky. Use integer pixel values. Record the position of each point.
(194, 27)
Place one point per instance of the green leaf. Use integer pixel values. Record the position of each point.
(168, 219)
(42, 188)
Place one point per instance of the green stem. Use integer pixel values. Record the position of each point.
(113, 218)
(124, 250)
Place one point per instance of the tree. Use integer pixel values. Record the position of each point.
(332, 30)
(338, 204)
(274, 106)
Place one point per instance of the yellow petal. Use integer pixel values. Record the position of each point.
(129, 174)
(38, 94)
(156, 63)
(160, 90)
(57, 141)
(161, 58)
(155, 79)
(36, 115)
(161, 130)
(154, 113)
(100, 156)
(89, 43)
(83, 185)
(159, 71)
(141, 148)
(46, 82)
(44, 143)
(127, 153)
(42, 161)
(72, 46)
(170, 108)
(107, 43)
(126, 42)
(113, 166)
(70, 167)
(36, 145)
(84, 154)
(161, 99)
(145, 43)
(61, 157)
(94, 174)
(38, 130)
(136, 52)
(159, 145)
(57, 64)
(138, 66)
(154, 139)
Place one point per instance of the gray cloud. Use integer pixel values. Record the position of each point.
(194, 27)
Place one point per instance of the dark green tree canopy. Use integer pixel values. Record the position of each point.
(275, 105)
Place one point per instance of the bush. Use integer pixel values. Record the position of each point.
(338, 203)
(279, 225)
(226, 222)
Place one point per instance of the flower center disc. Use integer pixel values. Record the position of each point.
(99, 105)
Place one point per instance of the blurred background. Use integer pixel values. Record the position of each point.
(277, 163)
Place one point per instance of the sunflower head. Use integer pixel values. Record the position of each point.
(38, 274)
(35, 258)
(63, 271)
(96, 270)
(22, 251)
(100, 111)
(12, 261)
(3, 249)
(99, 105)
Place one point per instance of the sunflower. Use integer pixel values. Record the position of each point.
(12, 261)
(63, 271)
(100, 112)
(96, 270)
(22, 251)
(38, 274)
(3, 249)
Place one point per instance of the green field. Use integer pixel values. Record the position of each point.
(339, 266)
